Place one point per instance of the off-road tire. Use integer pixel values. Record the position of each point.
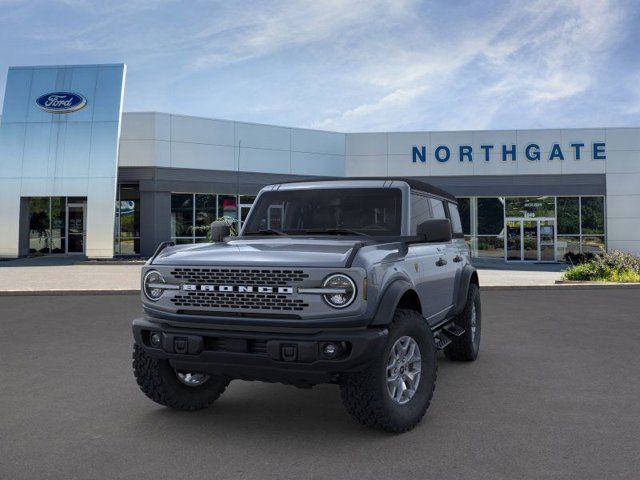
(365, 394)
(465, 348)
(158, 380)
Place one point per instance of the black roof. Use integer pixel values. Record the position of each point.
(412, 182)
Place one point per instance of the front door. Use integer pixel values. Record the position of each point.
(76, 228)
(530, 240)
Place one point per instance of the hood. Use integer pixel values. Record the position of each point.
(285, 252)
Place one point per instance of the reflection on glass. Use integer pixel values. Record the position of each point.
(464, 207)
(568, 244)
(490, 216)
(530, 207)
(39, 244)
(592, 244)
(592, 215)
(206, 210)
(127, 225)
(514, 240)
(58, 244)
(39, 225)
(547, 235)
(181, 214)
(129, 246)
(129, 211)
(75, 237)
(228, 207)
(529, 240)
(490, 246)
(568, 216)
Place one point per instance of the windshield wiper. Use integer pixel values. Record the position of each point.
(337, 231)
(268, 231)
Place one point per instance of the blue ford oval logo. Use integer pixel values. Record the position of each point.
(61, 102)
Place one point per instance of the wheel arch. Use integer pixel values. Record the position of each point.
(399, 294)
(468, 276)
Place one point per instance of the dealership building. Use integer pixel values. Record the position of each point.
(80, 176)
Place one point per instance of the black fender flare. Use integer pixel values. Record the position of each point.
(468, 275)
(389, 301)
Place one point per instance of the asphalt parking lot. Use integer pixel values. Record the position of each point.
(555, 393)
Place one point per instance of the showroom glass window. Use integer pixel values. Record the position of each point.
(592, 224)
(490, 224)
(530, 207)
(127, 231)
(47, 229)
(40, 228)
(464, 209)
(193, 213)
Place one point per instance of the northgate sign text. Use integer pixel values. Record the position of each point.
(443, 153)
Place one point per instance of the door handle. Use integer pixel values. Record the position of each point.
(457, 258)
(441, 262)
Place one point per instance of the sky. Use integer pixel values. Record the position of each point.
(351, 65)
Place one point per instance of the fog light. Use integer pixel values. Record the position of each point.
(155, 340)
(330, 350)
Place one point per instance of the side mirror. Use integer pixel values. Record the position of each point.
(219, 230)
(435, 230)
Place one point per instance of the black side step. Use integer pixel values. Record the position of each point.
(441, 340)
(453, 329)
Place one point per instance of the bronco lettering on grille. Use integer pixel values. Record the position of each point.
(237, 289)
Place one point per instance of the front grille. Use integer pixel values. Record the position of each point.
(244, 301)
(239, 276)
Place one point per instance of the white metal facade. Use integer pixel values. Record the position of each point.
(43, 154)
(47, 154)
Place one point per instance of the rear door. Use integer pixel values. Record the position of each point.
(447, 262)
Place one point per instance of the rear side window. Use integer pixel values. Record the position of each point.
(437, 208)
(420, 211)
(456, 223)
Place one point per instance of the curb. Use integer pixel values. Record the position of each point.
(23, 293)
(559, 285)
(565, 286)
(579, 283)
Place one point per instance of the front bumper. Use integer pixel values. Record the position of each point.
(286, 356)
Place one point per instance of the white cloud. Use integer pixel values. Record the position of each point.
(541, 54)
(338, 64)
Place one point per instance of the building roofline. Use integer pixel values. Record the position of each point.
(229, 120)
(376, 132)
(84, 65)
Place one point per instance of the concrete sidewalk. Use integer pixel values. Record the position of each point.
(64, 274)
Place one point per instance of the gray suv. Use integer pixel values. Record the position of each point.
(357, 282)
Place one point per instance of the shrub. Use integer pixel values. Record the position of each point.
(578, 258)
(582, 271)
(615, 266)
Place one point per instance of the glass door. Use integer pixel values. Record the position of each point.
(547, 240)
(530, 240)
(513, 246)
(75, 227)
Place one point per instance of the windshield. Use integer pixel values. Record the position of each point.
(345, 211)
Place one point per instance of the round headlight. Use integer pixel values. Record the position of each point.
(152, 285)
(343, 290)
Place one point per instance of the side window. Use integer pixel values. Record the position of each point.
(456, 223)
(420, 211)
(437, 208)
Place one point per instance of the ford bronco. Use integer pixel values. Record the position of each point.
(356, 282)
